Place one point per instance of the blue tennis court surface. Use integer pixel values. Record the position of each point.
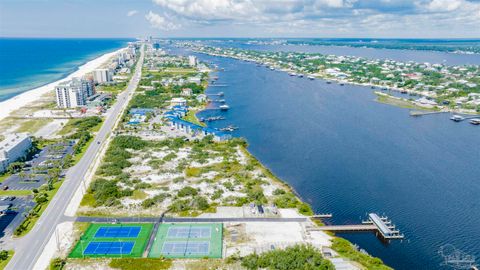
(99, 248)
(189, 232)
(114, 232)
(186, 248)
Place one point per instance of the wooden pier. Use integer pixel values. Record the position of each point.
(421, 113)
(375, 223)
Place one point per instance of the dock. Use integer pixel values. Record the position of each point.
(375, 223)
(421, 113)
(322, 216)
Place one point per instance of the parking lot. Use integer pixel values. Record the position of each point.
(14, 215)
(32, 176)
(35, 172)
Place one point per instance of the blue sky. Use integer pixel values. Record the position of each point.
(241, 18)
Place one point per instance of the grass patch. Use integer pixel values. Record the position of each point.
(4, 176)
(32, 126)
(88, 200)
(76, 158)
(193, 172)
(346, 249)
(139, 195)
(15, 192)
(190, 117)
(400, 102)
(31, 220)
(3, 263)
(141, 263)
(113, 88)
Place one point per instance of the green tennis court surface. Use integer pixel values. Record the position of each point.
(113, 240)
(188, 240)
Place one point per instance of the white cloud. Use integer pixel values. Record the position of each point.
(132, 12)
(323, 16)
(444, 5)
(160, 22)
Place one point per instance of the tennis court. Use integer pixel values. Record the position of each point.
(124, 232)
(184, 248)
(106, 248)
(113, 240)
(188, 240)
(189, 232)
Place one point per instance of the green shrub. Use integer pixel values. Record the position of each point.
(193, 172)
(187, 191)
(3, 255)
(346, 249)
(140, 263)
(299, 257)
(57, 264)
(180, 206)
(200, 203)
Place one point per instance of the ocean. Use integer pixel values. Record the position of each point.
(28, 63)
(348, 155)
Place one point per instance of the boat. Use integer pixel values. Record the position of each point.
(272, 68)
(329, 82)
(311, 77)
(300, 75)
(475, 121)
(229, 128)
(342, 83)
(457, 118)
(224, 107)
(292, 74)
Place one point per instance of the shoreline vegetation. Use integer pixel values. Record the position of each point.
(186, 176)
(445, 88)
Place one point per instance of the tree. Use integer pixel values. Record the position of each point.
(3, 255)
(15, 167)
(22, 175)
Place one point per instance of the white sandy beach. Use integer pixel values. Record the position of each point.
(15, 103)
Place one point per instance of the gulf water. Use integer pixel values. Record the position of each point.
(348, 155)
(29, 63)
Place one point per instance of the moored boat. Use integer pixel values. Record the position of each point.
(457, 118)
(475, 121)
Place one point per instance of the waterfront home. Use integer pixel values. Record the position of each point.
(186, 92)
(178, 101)
(196, 79)
(201, 98)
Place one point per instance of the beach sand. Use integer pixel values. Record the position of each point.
(19, 101)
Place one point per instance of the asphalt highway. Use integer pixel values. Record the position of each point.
(29, 248)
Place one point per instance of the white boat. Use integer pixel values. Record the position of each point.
(224, 107)
(300, 75)
(475, 121)
(292, 74)
(311, 77)
(457, 118)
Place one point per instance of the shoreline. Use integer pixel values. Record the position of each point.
(325, 78)
(30, 96)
